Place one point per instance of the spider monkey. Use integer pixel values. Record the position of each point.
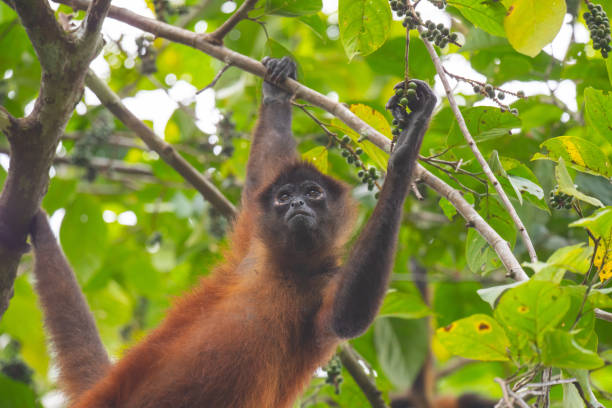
(253, 332)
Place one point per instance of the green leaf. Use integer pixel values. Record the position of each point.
(318, 157)
(316, 24)
(293, 8)
(484, 122)
(599, 223)
(401, 360)
(559, 349)
(584, 380)
(83, 235)
(574, 258)
(490, 295)
(404, 301)
(566, 185)
(15, 394)
(531, 24)
(449, 210)
(478, 337)
(581, 154)
(364, 25)
(527, 311)
(601, 298)
(487, 15)
(598, 106)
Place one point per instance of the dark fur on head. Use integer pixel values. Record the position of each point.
(334, 222)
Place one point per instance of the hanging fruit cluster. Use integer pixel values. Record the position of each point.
(367, 176)
(334, 373)
(559, 200)
(599, 27)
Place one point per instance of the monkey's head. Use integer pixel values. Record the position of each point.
(304, 211)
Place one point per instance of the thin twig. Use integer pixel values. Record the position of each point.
(350, 361)
(240, 14)
(481, 160)
(216, 78)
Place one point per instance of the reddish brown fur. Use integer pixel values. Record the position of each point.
(244, 338)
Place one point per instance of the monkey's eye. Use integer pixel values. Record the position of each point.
(314, 192)
(283, 197)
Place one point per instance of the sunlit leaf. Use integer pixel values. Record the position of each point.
(567, 186)
(487, 15)
(478, 337)
(578, 153)
(531, 24)
(364, 25)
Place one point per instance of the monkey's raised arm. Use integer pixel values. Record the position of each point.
(365, 275)
(80, 353)
(273, 145)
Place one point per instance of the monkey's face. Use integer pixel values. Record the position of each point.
(301, 211)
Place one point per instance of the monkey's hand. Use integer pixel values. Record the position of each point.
(277, 71)
(418, 97)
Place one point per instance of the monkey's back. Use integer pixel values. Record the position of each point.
(227, 344)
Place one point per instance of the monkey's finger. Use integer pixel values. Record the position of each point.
(281, 69)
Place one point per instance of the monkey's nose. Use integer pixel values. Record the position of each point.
(297, 203)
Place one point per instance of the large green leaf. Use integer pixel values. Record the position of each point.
(527, 311)
(531, 24)
(83, 235)
(15, 394)
(484, 122)
(293, 8)
(478, 337)
(598, 106)
(403, 300)
(579, 153)
(401, 360)
(559, 349)
(487, 15)
(364, 25)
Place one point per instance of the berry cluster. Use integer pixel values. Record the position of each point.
(147, 54)
(599, 26)
(367, 176)
(489, 90)
(399, 6)
(559, 200)
(439, 34)
(334, 373)
(163, 9)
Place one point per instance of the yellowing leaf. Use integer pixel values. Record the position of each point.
(479, 337)
(531, 24)
(318, 157)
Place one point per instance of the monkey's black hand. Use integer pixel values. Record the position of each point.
(420, 99)
(278, 71)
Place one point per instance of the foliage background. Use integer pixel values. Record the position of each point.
(137, 235)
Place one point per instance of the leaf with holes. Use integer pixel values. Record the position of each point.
(478, 337)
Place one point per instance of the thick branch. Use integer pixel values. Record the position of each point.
(92, 24)
(64, 60)
(240, 14)
(350, 361)
(113, 103)
(481, 160)
(45, 33)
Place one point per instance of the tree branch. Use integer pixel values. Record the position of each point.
(89, 31)
(113, 103)
(33, 140)
(351, 362)
(240, 14)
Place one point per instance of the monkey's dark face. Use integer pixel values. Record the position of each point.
(300, 205)
(302, 210)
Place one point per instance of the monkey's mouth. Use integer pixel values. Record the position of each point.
(295, 214)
